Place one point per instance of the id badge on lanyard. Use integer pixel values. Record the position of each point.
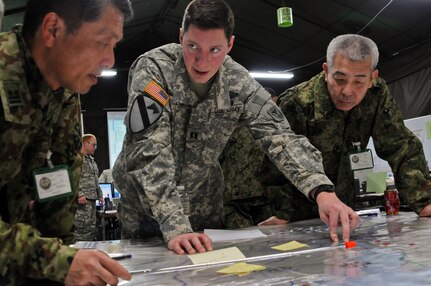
(360, 159)
(52, 182)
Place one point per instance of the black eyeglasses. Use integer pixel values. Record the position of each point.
(94, 145)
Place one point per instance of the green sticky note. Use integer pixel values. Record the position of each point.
(376, 182)
(428, 127)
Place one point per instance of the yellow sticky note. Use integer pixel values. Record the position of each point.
(290, 246)
(217, 255)
(241, 268)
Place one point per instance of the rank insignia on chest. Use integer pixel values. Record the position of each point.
(147, 108)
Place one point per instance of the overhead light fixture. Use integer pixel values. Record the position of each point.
(109, 73)
(272, 75)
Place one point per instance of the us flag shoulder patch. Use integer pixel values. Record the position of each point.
(146, 108)
(157, 92)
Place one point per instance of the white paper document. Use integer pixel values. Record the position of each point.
(225, 234)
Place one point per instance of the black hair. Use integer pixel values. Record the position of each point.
(73, 12)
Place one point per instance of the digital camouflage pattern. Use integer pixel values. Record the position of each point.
(33, 120)
(310, 112)
(245, 203)
(89, 180)
(106, 176)
(85, 225)
(182, 148)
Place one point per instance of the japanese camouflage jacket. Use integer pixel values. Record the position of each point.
(183, 146)
(311, 113)
(33, 120)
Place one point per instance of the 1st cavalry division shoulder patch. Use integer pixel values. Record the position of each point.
(147, 107)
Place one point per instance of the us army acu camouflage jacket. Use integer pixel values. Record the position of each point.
(106, 176)
(310, 112)
(33, 119)
(182, 148)
(89, 181)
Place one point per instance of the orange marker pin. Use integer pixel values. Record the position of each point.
(350, 244)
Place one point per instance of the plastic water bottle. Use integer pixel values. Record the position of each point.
(392, 200)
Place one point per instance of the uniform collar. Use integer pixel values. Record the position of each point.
(88, 156)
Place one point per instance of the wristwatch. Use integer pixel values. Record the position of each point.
(321, 189)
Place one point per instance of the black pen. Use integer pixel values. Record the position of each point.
(119, 256)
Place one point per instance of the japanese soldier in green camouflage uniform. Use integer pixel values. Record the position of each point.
(85, 225)
(349, 103)
(341, 107)
(244, 200)
(184, 102)
(61, 47)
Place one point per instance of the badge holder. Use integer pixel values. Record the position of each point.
(360, 160)
(52, 182)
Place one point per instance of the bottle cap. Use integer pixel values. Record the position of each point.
(390, 184)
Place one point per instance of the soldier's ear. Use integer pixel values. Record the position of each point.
(230, 43)
(325, 70)
(181, 36)
(374, 75)
(50, 28)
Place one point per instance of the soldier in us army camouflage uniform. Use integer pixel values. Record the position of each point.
(349, 103)
(56, 50)
(85, 225)
(184, 102)
(106, 177)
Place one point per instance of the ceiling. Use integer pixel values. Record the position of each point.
(401, 29)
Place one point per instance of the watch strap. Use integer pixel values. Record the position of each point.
(321, 189)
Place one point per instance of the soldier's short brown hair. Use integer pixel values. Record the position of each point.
(209, 14)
